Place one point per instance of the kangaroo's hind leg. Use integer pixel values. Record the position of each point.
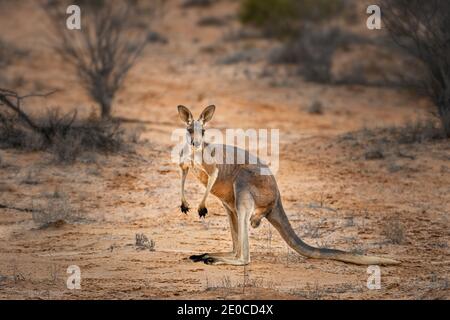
(232, 217)
(244, 208)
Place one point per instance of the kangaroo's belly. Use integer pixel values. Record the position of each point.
(223, 190)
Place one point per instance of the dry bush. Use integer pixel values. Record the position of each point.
(69, 138)
(422, 29)
(392, 142)
(15, 136)
(284, 18)
(313, 51)
(72, 138)
(64, 135)
(104, 50)
(85, 136)
(417, 131)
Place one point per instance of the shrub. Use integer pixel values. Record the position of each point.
(276, 17)
(286, 17)
(313, 51)
(68, 139)
(421, 28)
(106, 48)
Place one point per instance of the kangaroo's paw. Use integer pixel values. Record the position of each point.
(184, 208)
(202, 211)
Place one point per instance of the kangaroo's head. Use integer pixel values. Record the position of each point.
(195, 129)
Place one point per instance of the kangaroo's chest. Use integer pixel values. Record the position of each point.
(199, 172)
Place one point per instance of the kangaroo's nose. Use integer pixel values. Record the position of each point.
(196, 144)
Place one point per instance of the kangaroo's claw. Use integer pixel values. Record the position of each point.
(202, 212)
(184, 208)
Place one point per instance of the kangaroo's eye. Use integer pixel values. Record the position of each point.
(191, 131)
(203, 132)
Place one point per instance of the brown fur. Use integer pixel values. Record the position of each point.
(246, 196)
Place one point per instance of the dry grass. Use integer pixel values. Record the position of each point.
(69, 138)
(143, 243)
(387, 143)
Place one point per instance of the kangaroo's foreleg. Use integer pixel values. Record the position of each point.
(202, 211)
(184, 204)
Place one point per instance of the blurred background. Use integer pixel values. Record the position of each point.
(86, 118)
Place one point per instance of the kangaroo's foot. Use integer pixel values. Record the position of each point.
(219, 258)
(201, 257)
(198, 257)
(202, 211)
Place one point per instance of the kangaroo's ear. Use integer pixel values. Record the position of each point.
(185, 114)
(207, 114)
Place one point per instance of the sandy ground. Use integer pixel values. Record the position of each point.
(333, 195)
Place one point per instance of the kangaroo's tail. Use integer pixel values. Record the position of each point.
(277, 217)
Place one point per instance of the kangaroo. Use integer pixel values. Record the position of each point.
(246, 195)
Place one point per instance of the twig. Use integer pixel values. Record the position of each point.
(6, 98)
(2, 206)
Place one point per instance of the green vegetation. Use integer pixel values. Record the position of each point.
(283, 18)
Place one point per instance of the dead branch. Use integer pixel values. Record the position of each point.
(3, 206)
(13, 101)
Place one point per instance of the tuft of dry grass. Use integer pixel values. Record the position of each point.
(143, 243)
